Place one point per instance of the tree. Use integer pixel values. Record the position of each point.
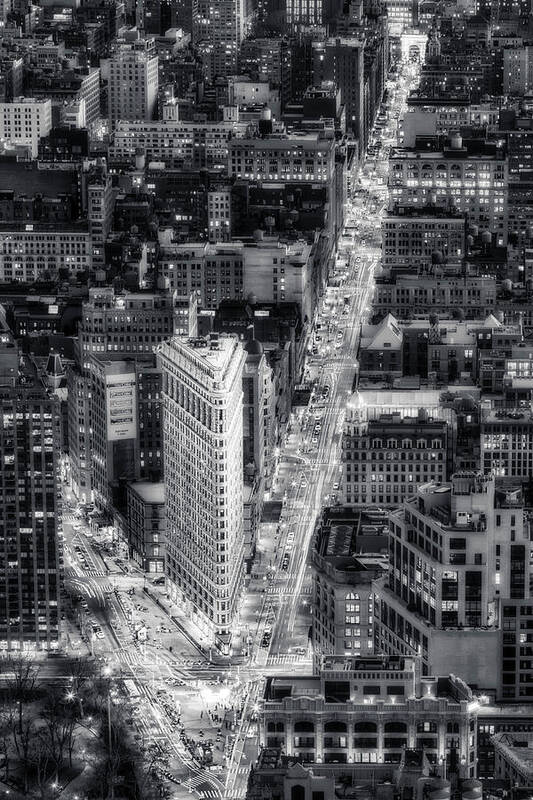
(57, 731)
(23, 733)
(23, 680)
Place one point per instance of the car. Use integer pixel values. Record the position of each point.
(336, 487)
(99, 634)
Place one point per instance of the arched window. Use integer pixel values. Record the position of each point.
(395, 727)
(377, 444)
(334, 726)
(365, 726)
(426, 727)
(304, 726)
(298, 792)
(452, 727)
(421, 444)
(406, 444)
(392, 443)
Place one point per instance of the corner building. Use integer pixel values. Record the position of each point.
(363, 713)
(457, 551)
(203, 451)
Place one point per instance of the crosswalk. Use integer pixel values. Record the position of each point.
(127, 657)
(198, 783)
(97, 573)
(286, 658)
(281, 590)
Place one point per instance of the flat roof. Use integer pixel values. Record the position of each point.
(149, 492)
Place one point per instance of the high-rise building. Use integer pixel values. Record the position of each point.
(114, 426)
(303, 13)
(25, 121)
(99, 209)
(146, 524)
(116, 327)
(133, 81)
(456, 551)
(30, 561)
(518, 70)
(342, 60)
(203, 462)
(218, 29)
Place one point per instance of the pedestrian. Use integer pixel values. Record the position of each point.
(201, 714)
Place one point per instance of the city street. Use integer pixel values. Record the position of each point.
(202, 716)
(310, 463)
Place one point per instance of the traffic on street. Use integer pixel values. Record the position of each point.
(198, 712)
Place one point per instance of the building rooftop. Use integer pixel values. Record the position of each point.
(212, 356)
(149, 492)
(407, 212)
(386, 334)
(345, 537)
(431, 147)
(517, 749)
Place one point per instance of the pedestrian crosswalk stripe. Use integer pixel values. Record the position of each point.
(287, 658)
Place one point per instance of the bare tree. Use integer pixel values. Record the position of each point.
(23, 680)
(42, 766)
(57, 730)
(23, 733)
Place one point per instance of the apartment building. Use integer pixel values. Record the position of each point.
(470, 176)
(456, 550)
(26, 120)
(349, 553)
(386, 458)
(133, 81)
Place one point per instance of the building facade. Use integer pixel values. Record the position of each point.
(146, 525)
(25, 121)
(473, 179)
(348, 555)
(218, 29)
(133, 81)
(367, 711)
(386, 459)
(30, 251)
(412, 235)
(203, 462)
(456, 551)
(31, 571)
